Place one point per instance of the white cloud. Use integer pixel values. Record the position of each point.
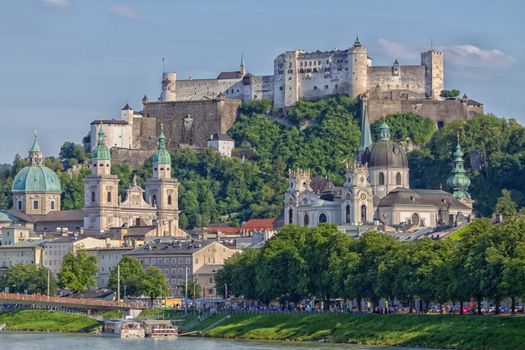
(125, 11)
(56, 3)
(472, 56)
(395, 50)
(460, 56)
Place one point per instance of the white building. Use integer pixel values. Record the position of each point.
(222, 143)
(108, 258)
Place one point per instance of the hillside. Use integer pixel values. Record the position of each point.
(321, 136)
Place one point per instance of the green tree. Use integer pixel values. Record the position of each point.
(239, 274)
(154, 283)
(505, 205)
(29, 278)
(406, 126)
(78, 271)
(131, 276)
(450, 94)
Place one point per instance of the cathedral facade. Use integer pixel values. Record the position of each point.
(377, 191)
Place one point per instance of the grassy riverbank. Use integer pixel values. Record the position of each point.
(432, 331)
(47, 321)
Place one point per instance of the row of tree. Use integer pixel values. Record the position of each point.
(77, 273)
(487, 262)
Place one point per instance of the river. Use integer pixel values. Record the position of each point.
(54, 341)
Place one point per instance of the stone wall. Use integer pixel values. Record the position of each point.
(134, 157)
(411, 78)
(440, 111)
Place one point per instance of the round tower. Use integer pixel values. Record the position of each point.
(169, 92)
(358, 61)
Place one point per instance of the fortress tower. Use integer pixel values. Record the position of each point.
(358, 62)
(169, 91)
(434, 76)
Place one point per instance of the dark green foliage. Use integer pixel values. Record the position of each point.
(154, 283)
(450, 94)
(486, 262)
(72, 154)
(28, 278)
(78, 271)
(131, 276)
(501, 146)
(405, 126)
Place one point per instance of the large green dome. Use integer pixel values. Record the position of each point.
(36, 178)
(161, 155)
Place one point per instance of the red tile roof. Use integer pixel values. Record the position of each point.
(258, 224)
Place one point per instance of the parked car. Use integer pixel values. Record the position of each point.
(504, 309)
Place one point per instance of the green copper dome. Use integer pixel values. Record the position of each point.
(162, 156)
(459, 181)
(36, 179)
(101, 151)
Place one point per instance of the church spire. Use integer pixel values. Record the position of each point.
(36, 156)
(366, 136)
(243, 67)
(459, 181)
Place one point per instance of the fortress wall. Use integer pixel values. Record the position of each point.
(199, 89)
(134, 157)
(144, 133)
(188, 122)
(439, 111)
(410, 78)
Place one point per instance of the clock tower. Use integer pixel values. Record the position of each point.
(357, 198)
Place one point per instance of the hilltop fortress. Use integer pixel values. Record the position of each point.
(191, 110)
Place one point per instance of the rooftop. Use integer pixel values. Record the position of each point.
(258, 224)
(162, 247)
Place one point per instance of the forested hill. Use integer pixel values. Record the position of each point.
(320, 136)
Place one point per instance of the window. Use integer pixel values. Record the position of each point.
(92, 196)
(415, 219)
(19, 205)
(398, 179)
(153, 200)
(169, 199)
(381, 178)
(290, 214)
(347, 213)
(211, 279)
(322, 218)
(109, 197)
(35, 205)
(52, 205)
(363, 213)
(306, 220)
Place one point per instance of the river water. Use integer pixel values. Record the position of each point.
(53, 341)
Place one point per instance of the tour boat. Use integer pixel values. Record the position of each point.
(160, 329)
(123, 329)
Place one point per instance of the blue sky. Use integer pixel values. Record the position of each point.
(64, 63)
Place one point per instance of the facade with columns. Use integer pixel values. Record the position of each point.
(157, 205)
(377, 191)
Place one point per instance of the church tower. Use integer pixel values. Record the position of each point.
(101, 202)
(242, 67)
(299, 182)
(365, 142)
(459, 181)
(357, 197)
(162, 190)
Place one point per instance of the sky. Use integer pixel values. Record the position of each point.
(65, 63)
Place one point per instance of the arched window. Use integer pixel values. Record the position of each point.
(363, 213)
(306, 220)
(322, 218)
(398, 179)
(415, 219)
(109, 197)
(93, 196)
(347, 213)
(290, 214)
(169, 199)
(153, 200)
(381, 178)
(35, 205)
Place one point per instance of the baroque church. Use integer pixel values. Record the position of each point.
(377, 191)
(37, 197)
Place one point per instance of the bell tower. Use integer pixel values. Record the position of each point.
(101, 202)
(162, 190)
(357, 198)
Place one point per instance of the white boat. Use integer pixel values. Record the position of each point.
(162, 329)
(123, 329)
